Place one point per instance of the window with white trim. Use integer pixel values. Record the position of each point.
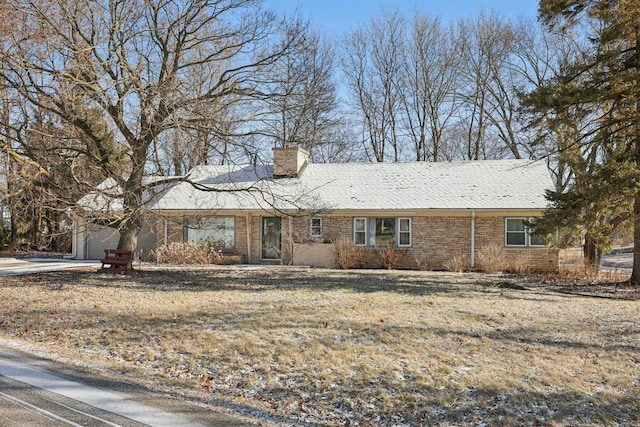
(360, 231)
(404, 231)
(372, 231)
(517, 233)
(315, 227)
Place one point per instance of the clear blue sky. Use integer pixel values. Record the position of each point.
(335, 17)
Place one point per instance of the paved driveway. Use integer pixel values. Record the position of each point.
(17, 267)
(620, 260)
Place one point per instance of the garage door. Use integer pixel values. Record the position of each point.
(101, 238)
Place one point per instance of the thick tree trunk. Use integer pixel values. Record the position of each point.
(129, 231)
(591, 252)
(132, 204)
(635, 275)
(132, 223)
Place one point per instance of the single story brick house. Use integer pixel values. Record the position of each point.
(293, 211)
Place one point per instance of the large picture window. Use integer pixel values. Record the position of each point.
(382, 231)
(218, 230)
(518, 234)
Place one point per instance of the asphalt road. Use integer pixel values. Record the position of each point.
(25, 405)
(619, 261)
(36, 392)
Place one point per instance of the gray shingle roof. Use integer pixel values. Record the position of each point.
(481, 185)
(107, 196)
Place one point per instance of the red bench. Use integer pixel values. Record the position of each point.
(115, 261)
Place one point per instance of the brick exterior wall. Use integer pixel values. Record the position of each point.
(240, 237)
(435, 239)
(174, 228)
(490, 231)
(333, 228)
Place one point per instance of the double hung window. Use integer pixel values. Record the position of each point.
(360, 231)
(404, 231)
(315, 227)
(517, 233)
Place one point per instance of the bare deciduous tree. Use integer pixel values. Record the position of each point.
(306, 111)
(540, 56)
(372, 66)
(428, 85)
(135, 63)
(485, 90)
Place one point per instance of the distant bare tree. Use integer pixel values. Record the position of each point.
(428, 87)
(372, 64)
(487, 86)
(540, 56)
(306, 111)
(337, 145)
(431, 89)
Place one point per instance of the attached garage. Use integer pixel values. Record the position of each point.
(95, 239)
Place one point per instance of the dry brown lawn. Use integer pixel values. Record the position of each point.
(292, 345)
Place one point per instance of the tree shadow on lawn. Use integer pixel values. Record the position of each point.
(416, 283)
(461, 285)
(365, 281)
(530, 336)
(362, 331)
(446, 403)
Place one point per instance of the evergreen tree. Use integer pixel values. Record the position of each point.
(604, 86)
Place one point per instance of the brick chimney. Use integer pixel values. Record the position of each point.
(289, 161)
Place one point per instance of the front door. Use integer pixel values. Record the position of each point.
(271, 238)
